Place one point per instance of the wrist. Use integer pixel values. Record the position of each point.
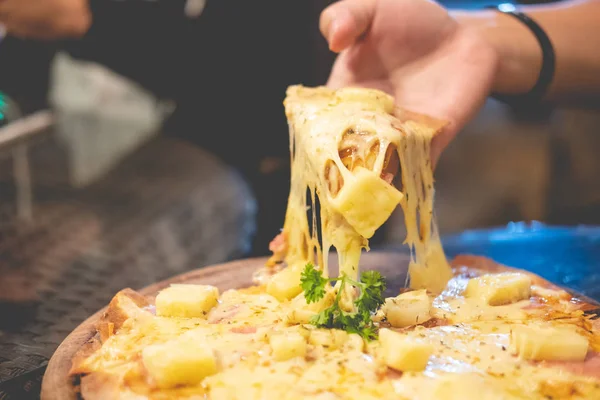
(519, 53)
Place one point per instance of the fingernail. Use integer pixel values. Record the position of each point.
(331, 36)
(329, 18)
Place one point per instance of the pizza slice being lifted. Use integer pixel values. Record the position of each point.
(360, 157)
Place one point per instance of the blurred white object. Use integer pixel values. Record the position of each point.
(194, 8)
(101, 116)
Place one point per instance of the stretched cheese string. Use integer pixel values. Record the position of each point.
(428, 268)
(319, 119)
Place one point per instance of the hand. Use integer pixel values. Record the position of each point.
(416, 52)
(45, 19)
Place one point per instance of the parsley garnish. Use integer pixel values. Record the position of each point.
(313, 284)
(371, 287)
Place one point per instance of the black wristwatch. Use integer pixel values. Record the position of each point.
(537, 93)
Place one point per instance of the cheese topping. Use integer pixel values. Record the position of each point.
(346, 147)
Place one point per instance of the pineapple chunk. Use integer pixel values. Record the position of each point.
(187, 301)
(287, 346)
(355, 342)
(544, 342)
(410, 308)
(328, 338)
(500, 289)
(285, 284)
(367, 201)
(404, 353)
(182, 361)
(301, 312)
(300, 316)
(264, 333)
(300, 329)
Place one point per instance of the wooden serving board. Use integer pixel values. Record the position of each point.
(58, 386)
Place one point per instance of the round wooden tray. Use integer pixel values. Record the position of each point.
(58, 386)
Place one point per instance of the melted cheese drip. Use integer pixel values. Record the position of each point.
(320, 120)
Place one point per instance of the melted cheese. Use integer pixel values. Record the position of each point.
(342, 143)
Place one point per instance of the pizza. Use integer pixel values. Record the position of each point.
(346, 147)
(465, 329)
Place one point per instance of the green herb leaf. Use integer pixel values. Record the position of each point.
(371, 285)
(312, 283)
(358, 324)
(325, 318)
(372, 288)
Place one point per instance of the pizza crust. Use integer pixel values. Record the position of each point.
(476, 265)
(101, 386)
(124, 305)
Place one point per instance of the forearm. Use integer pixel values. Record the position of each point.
(574, 30)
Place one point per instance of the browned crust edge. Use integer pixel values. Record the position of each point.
(435, 124)
(124, 305)
(466, 262)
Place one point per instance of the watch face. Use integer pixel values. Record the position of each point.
(193, 8)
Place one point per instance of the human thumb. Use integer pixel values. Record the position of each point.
(344, 22)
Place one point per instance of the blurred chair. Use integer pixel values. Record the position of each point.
(16, 134)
